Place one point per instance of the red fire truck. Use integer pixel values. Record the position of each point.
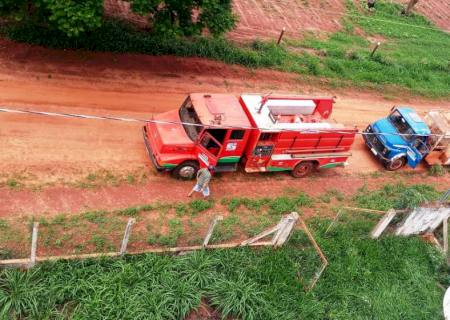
(260, 133)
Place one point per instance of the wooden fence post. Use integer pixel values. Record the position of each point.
(281, 35)
(445, 236)
(282, 231)
(126, 236)
(34, 237)
(383, 224)
(285, 227)
(212, 225)
(334, 221)
(319, 252)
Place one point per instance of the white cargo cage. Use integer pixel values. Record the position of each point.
(263, 109)
(439, 123)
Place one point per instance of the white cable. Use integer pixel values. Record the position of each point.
(83, 116)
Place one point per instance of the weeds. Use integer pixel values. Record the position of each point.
(3, 224)
(436, 170)
(129, 212)
(99, 242)
(170, 239)
(397, 196)
(12, 183)
(200, 205)
(96, 217)
(330, 194)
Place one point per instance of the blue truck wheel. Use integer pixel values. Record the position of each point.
(395, 164)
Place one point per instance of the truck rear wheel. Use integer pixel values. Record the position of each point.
(186, 171)
(303, 169)
(395, 164)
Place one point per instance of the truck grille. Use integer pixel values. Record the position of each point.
(374, 141)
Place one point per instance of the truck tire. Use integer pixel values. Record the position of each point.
(395, 164)
(186, 171)
(303, 169)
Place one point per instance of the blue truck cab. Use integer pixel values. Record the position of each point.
(400, 138)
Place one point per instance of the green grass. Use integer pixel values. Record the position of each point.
(413, 58)
(397, 196)
(391, 278)
(436, 170)
(12, 183)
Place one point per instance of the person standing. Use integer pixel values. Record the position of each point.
(203, 179)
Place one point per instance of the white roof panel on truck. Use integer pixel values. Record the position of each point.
(265, 121)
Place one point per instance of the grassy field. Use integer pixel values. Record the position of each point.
(413, 54)
(391, 278)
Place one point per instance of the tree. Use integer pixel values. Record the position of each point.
(73, 17)
(167, 17)
(411, 4)
(186, 17)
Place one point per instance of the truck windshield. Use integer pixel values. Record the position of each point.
(189, 116)
(401, 125)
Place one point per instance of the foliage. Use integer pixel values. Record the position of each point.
(186, 17)
(397, 196)
(168, 18)
(278, 205)
(391, 278)
(19, 294)
(239, 297)
(200, 205)
(71, 17)
(436, 170)
(415, 58)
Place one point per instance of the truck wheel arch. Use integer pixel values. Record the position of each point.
(186, 170)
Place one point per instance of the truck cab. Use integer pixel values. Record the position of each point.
(400, 138)
(207, 130)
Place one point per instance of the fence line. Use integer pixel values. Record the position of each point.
(281, 232)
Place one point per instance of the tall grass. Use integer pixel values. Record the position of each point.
(392, 278)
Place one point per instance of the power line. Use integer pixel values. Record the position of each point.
(165, 122)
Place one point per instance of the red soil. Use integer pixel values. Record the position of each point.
(266, 18)
(437, 11)
(50, 149)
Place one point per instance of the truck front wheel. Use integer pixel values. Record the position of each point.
(186, 171)
(303, 169)
(395, 164)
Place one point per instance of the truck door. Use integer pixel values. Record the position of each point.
(233, 148)
(208, 147)
(417, 151)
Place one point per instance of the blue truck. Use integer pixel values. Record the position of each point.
(404, 138)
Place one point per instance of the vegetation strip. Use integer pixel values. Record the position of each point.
(412, 58)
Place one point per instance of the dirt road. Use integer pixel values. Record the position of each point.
(51, 149)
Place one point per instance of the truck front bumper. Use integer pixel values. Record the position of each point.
(150, 151)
